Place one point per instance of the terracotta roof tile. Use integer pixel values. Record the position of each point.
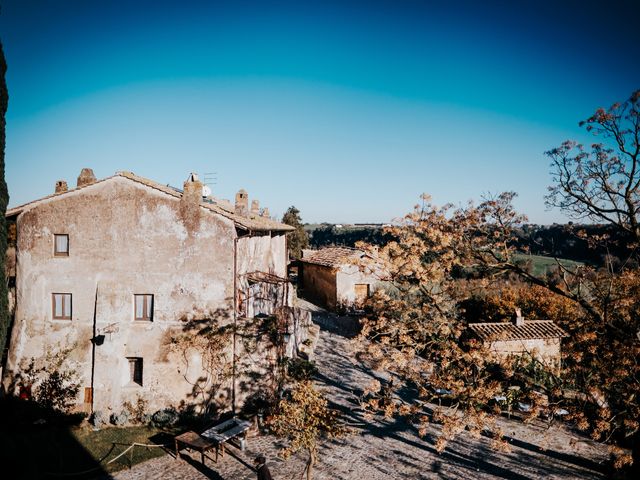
(331, 256)
(531, 330)
(251, 222)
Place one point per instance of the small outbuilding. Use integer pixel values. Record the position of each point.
(338, 277)
(539, 338)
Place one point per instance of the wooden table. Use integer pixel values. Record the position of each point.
(221, 433)
(196, 442)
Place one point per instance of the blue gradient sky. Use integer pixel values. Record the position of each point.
(347, 110)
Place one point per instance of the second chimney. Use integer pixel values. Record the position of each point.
(255, 207)
(86, 177)
(242, 203)
(61, 186)
(518, 319)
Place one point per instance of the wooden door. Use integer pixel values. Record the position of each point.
(362, 292)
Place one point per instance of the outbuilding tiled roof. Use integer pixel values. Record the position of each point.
(331, 256)
(251, 222)
(530, 330)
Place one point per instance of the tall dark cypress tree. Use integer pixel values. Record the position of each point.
(4, 200)
(298, 239)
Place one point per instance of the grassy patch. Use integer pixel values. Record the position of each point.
(106, 444)
(41, 451)
(541, 265)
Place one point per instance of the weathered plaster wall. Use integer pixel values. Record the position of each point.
(319, 284)
(346, 279)
(266, 254)
(263, 253)
(547, 350)
(124, 239)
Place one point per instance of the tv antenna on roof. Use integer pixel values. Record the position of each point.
(208, 181)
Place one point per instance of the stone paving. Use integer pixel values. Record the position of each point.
(382, 449)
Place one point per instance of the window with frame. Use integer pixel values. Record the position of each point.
(61, 306)
(143, 307)
(135, 370)
(61, 245)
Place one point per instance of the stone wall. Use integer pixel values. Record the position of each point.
(547, 350)
(264, 253)
(347, 277)
(319, 284)
(124, 239)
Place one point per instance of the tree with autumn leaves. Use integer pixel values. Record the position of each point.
(441, 257)
(303, 419)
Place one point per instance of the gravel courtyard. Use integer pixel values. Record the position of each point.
(392, 449)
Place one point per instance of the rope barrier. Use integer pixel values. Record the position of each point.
(135, 444)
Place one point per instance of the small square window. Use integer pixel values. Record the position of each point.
(143, 307)
(61, 306)
(61, 245)
(135, 370)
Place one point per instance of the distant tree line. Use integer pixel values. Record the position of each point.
(583, 243)
(589, 244)
(329, 235)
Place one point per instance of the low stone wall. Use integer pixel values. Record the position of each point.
(300, 329)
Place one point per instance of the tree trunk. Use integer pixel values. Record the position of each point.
(4, 200)
(635, 455)
(310, 463)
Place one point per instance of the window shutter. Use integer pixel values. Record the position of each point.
(139, 306)
(57, 305)
(67, 305)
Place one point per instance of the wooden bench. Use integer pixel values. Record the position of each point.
(225, 431)
(195, 442)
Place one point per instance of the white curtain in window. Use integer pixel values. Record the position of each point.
(62, 243)
(62, 305)
(67, 305)
(57, 306)
(149, 308)
(139, 306)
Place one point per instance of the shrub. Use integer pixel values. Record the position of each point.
(51, 386)
(261, 402)
(57, 391)
(120, 418)
(300, 369)
(168, 416)
(98, 418)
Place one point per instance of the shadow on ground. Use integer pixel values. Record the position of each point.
(393, 446)
(38, 443)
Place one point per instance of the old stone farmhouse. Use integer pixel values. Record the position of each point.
(115, 269)
(338, 277)
(539, 338)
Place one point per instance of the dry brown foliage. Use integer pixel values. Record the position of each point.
(441, 257)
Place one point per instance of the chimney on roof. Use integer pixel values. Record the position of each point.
(255, 207)
(518, 319)
(265, 212)
(242, 203)
(61, 186)
(86, 177)
(190, 203)
(192, 193)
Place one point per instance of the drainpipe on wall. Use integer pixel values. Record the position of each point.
(235, 322)
(93, 346)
